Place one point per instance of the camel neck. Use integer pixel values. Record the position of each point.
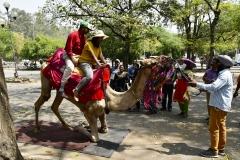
(125, 100)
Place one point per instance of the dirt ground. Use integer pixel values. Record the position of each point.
(161, 136)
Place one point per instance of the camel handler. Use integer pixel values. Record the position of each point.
(74, 46)
(220, 104)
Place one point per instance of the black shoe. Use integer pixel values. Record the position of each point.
(208, 153)
(62, 94)
(221, 153)
(162, 109)
(169, 109)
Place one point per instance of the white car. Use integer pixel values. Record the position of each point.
(197, 60)
(3, 62)
(237, 62)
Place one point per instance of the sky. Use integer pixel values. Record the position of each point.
(30, 6)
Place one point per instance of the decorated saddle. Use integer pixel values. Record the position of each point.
(92, 91)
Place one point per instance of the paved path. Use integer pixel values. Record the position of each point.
(161, 136)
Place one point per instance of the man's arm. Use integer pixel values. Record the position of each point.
(101, 57)
(68, 48)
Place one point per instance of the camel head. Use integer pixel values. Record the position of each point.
(148, 62)
(161, 62)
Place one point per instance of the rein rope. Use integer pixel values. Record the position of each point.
(135, 95)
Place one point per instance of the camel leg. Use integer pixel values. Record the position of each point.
(38, 105)
(92, 120)
(45, 95)
(56, 103)
(102, 119)
(85, 132)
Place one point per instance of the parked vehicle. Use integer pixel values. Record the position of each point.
(32, 65)
(197, 60)
(237, 62)
(3, 62)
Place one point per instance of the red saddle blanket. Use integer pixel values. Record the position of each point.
(92, 91)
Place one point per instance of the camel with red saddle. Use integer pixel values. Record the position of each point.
(95, 109)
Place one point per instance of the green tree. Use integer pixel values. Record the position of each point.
(5, 44)
(126, 19)
(41, 47)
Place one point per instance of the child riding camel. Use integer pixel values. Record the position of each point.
(89, 59)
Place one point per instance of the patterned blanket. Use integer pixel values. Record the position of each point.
(92, 91)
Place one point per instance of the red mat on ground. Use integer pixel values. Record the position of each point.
(53, 135)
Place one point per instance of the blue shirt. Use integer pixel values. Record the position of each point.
(131, 70)
(113, 70)
(221, 90)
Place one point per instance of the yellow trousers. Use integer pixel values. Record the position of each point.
(217, 128)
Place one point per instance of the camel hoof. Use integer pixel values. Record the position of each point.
(102, 130)
(94, 140)
(67, 127)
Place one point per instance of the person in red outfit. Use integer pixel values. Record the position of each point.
(74, 46)
(235, 94)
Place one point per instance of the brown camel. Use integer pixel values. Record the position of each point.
(96, 109)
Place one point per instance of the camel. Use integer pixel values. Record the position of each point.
(94, 110)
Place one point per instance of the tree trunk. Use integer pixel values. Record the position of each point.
(126, 55)
(213, 24)
(212, 35)
(8, 144)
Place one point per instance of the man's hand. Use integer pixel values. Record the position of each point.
(75, 61)
(103, 65)
(235, 95)
(192, 83)
(212, 80)
(205, 79)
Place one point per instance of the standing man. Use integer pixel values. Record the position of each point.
(121, 79)
(113, 71)
(131, 69)
(210, 76)
(74, 46)
(220, 104)
(168, 90)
